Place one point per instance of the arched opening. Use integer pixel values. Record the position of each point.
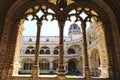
(33, 51)
(44, 50)
(74, 48)
(95, 63)
(71, 66)
(71, 51)
(26, 66)
(47, 51)
(44, 66)
(102, 43)
(55, 66)
(41, 51)
(90, 22)
(77, 33)
(27, 52)
(56, 50)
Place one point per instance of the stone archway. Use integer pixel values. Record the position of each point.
(15, 42)
(71, 66)
(26, 66)
(12, 37)
(94, 63)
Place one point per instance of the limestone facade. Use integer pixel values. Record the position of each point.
(73, 53)
(13, 14)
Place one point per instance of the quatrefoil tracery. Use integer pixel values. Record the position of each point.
(45, 11)
(81, 14)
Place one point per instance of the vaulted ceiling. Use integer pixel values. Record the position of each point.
(6, 4)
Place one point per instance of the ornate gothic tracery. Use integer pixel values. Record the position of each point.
(82, 14)
(62, 25)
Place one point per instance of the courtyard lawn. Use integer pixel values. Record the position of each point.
(51, 75)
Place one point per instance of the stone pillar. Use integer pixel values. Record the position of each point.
(3, 50)
(86, 71)
(17, 50)
(13, 46)
(51, 66)
(35, 68)
(51, 51)
(8, 68)
(61, 71)
(105, 68)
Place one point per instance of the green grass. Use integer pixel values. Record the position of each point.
(50, 75)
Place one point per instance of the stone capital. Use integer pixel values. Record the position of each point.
(39, 24)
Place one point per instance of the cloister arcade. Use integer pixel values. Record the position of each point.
(61, 11)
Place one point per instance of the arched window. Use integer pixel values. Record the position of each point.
(30, 40)
(71, 51)
(33, 52)
(55, 65)
(44, 65)
(30, 50)
(47, 40)
(27, 65)
(41, 51)
(71, 66)
(56, 52)
(95, 63)
(27, 51)
(47, 52)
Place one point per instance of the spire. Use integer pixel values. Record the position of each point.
(61, 3)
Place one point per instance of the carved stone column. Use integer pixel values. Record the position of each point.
(4, 51)
(105, 66)
(17, 50)
(12, 48)
(35, 68)
(112, 68)
(86, 71)
(61, 71)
